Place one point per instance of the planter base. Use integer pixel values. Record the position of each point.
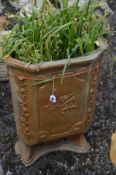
(29, 154)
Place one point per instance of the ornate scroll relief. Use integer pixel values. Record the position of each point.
(66, 103)
(23, 103)
(92, 94)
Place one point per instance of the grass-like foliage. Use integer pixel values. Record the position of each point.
(55, 34)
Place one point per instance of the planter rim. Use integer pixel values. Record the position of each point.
(54, 64)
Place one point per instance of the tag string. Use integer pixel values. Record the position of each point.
(53, 89)
(53, 97)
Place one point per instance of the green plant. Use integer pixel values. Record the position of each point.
(53, 34)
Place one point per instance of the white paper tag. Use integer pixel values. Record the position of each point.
(52, 98)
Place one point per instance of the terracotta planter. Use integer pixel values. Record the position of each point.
(38, 120)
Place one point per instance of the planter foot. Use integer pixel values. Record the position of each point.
(29, 154)
(23, 150)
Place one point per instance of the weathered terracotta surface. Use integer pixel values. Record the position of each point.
(29, 154)
(38, 120)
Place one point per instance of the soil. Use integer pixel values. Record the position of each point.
(112, 4)
(96, 161)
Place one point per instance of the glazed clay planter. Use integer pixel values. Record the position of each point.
(38, 120)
